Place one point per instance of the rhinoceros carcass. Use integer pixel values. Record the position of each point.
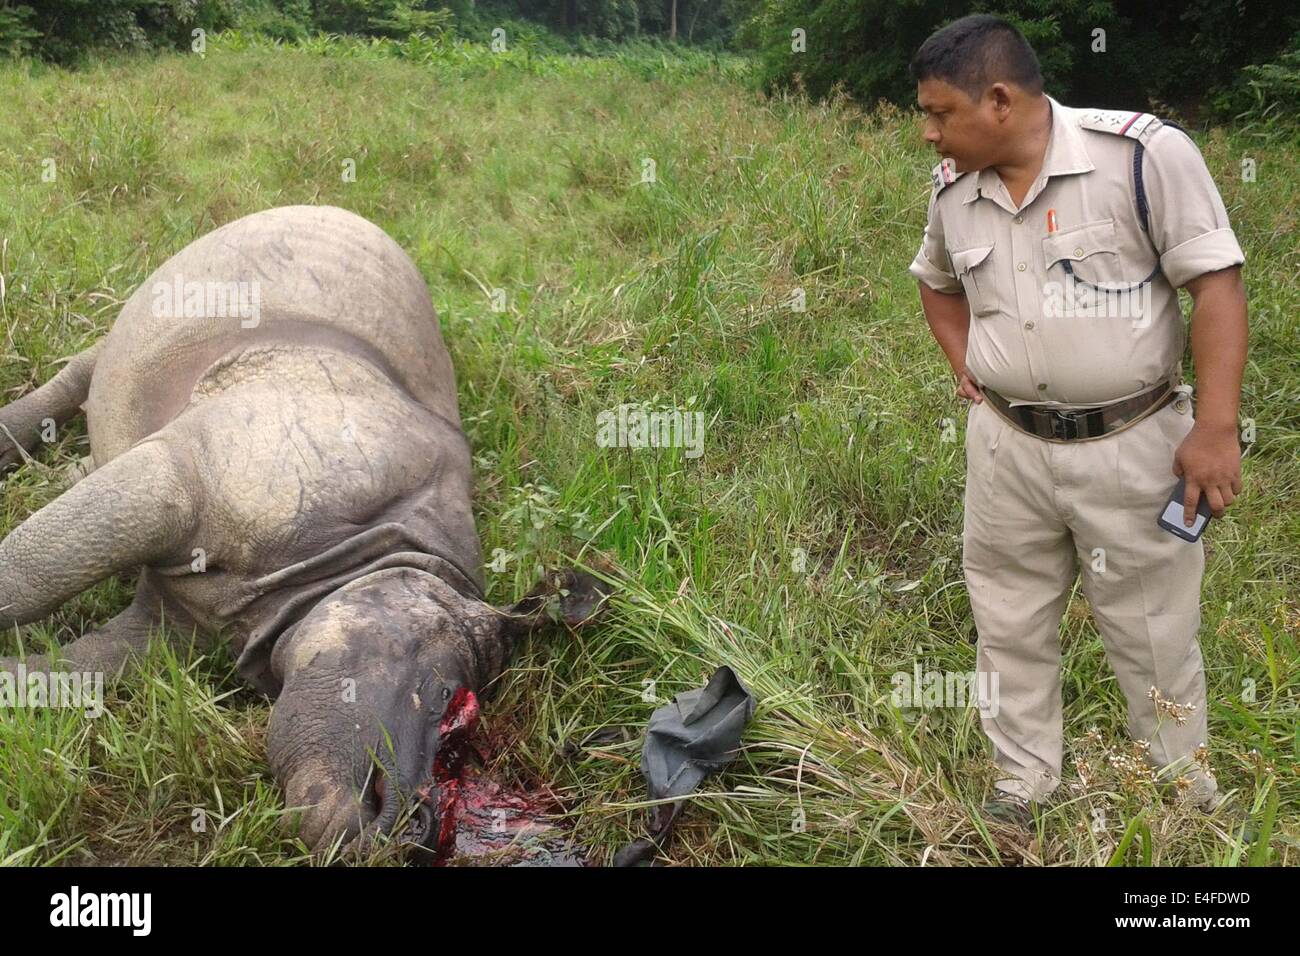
(276, 447)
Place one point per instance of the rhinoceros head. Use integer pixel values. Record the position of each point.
(375, 679)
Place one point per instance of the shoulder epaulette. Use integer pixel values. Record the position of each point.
(944, 175)
(1138, 126)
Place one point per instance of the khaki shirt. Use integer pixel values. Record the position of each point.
(1087, 314)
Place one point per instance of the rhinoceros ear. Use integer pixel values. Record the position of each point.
(568, 597)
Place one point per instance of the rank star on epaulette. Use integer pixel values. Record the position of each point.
(1120, 122)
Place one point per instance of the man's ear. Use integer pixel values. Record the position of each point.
(1002, 98)
(570, 597)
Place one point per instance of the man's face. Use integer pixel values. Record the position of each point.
(966, 130)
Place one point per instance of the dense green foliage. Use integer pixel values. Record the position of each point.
(1225, 57)
(1229, 55)
(61, 29)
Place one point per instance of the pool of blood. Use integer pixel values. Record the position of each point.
(482, 822)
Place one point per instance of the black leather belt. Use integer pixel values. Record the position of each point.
(1081, 424)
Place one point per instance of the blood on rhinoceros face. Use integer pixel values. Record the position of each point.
(379, 685)
(373, 677)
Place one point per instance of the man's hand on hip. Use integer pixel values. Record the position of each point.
(967, 389)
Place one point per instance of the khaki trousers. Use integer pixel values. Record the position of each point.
(1031, 507)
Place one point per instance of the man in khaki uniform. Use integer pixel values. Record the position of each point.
(1056, 241)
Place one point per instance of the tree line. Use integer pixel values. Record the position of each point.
(1220, 57)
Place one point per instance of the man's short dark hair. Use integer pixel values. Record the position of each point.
(975, 52)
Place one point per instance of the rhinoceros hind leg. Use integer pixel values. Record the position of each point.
(59, 399)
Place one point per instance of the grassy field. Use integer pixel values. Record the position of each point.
(814, 546)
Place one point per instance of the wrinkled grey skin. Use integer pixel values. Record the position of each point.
(296, 482)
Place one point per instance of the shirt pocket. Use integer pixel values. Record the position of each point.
(1089, 255)
(974, 269)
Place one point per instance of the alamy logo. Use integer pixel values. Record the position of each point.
(633, 426)
(66, 689)
(103, 909)
(208, 300)
(1075, 298)
(946, 689)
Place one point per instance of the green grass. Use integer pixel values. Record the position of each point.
(825, 443)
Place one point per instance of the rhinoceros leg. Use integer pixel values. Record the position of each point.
(106, 649)
(138, 509)
(80, 469)
(59, 399)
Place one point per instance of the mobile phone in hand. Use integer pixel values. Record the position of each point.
(1171, 518)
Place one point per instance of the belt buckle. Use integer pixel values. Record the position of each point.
(1064, 427)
